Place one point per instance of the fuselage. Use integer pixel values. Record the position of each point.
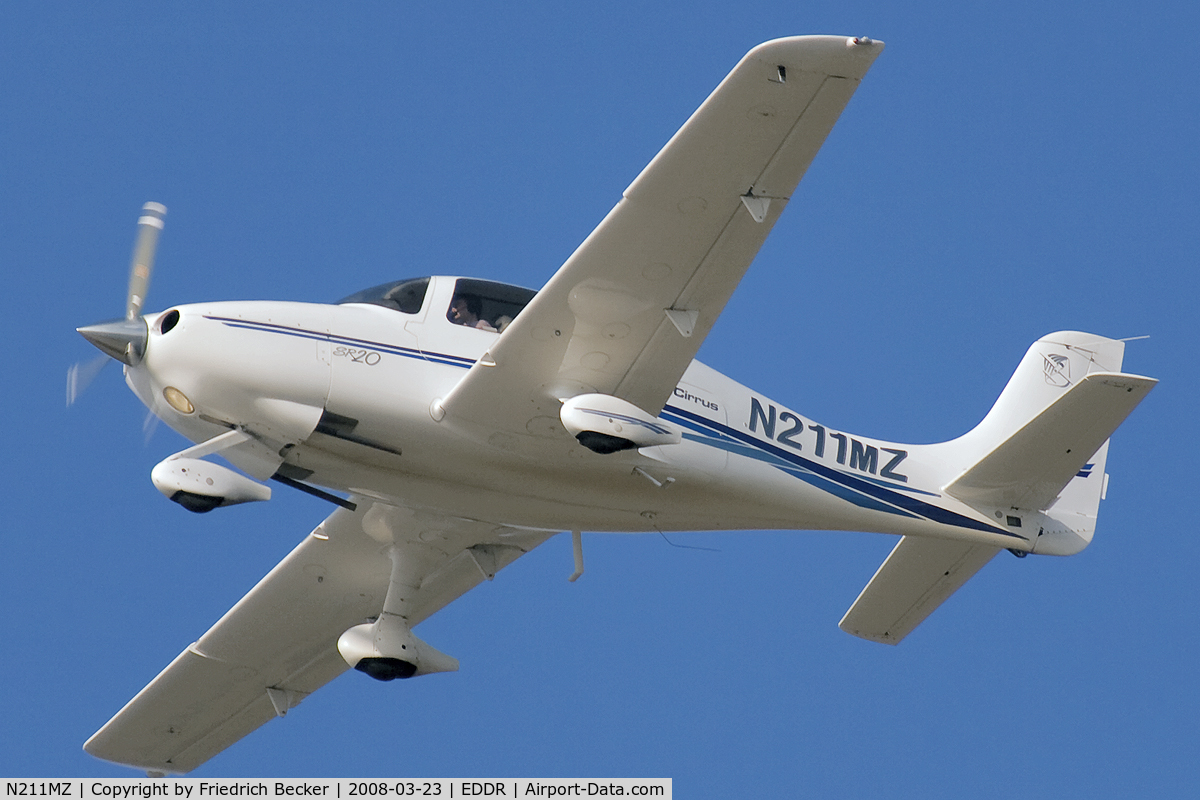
(345, 397)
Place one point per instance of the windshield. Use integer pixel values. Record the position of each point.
(407, 295)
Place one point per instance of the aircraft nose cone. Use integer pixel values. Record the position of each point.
(123, 339)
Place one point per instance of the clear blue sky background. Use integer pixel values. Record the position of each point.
(1006, 170)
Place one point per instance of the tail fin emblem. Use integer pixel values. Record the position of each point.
(1057, 370)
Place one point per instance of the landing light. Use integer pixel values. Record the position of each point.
(178, 400)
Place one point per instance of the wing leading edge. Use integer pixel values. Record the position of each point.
(279, 643)
(628, 310)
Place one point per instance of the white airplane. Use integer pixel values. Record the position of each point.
(460, 423)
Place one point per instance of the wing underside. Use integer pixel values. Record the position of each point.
(918, 576)
(279, 643)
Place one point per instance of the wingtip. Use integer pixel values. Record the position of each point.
(845, 56)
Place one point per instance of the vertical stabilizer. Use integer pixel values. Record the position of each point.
(1053, 364)
(1041, 451)
(1037, 460)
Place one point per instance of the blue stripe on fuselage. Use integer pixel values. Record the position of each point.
(867, 493)
(864, 492)
(333, 338)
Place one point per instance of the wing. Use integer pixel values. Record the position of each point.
(279, 643)
(627, 312)
(918, 576)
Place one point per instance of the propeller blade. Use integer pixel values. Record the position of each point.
(149, 426)
(81, 374)
(123, 339)
(150, 224)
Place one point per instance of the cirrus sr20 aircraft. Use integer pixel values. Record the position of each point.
(459, 423)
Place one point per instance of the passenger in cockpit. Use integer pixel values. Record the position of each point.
(465, 309)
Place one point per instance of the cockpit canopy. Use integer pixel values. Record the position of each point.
(485, 305)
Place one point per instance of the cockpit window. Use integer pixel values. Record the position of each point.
(407, 295)
(486, 305)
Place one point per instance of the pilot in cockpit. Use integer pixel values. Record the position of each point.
(465, 309)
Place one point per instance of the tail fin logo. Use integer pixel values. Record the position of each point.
(1057, 370)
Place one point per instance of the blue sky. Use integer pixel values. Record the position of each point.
(1006, 170)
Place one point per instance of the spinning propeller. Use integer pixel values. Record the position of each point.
(123, 339)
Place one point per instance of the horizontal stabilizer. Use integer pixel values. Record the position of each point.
(1031, 467)
(918, 576)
